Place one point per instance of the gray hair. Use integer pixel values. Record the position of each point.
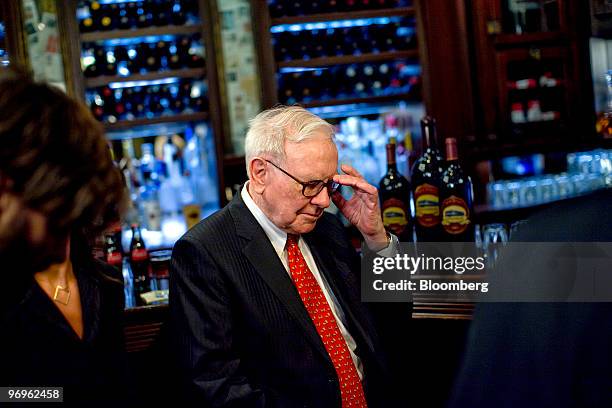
(269, 130)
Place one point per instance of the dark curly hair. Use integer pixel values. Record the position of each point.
(55, 156)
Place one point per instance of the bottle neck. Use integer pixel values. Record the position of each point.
(136, 235)
(452, 155)
(428, 130)
(391, 162)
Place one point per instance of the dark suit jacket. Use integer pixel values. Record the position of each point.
(244, 336)
(544, 354)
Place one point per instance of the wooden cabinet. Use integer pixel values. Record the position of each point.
(534, 80)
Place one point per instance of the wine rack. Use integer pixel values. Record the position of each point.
(148, 72)
(312, 46)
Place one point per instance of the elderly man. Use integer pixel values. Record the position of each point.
(265, 293)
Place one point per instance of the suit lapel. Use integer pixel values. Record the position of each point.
(260, 253)
(336, 274)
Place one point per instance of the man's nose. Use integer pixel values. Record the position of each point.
(322, 199)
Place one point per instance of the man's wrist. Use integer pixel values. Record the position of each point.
(380, 242)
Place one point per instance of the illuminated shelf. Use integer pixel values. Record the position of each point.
(344, 15)
(150, 76)
(186, 117)
(140, 32)
(349, 59)
(367, 99)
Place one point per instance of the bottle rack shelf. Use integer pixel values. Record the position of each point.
(349, 101)
(351, 15)
(186, 117)
(349, 59)
(141, 32)
(150, 76)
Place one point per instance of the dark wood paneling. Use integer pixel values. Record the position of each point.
(15, 39)
(265, 53)
(443, 41)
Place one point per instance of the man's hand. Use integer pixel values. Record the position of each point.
(362, 210)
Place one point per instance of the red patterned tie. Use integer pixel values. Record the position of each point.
(325, 323)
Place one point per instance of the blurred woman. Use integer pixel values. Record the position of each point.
(60, 310)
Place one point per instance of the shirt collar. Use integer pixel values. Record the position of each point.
(277, 236)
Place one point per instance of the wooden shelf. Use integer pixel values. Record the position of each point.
(347, 15)
(150, 76)
(347, 101)
(529, 38)
(349, 59)
(187, 117)
(140, 32)
(143, 325)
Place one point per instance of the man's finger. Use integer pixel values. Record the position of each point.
(356, 183)
(350, 170)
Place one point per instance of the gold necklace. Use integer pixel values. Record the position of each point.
(62, 291)
(62, 294)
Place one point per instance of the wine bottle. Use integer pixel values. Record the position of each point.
(144, 18)
(97, 107)
(126, 14)
(456, 196)
(426, 174)
(95, 13)
(394, 191)
(108, 16)
(152, 61)
(277, 8)
(177, 15)
(182, 50)
(87, 25)
(162, 53)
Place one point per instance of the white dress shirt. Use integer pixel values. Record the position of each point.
(278, 239)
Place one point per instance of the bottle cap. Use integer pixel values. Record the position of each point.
(390, 121)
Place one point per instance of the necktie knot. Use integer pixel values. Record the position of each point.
(292, 240)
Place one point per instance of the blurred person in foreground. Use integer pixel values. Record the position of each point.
(265, 295)
(61, 311)
(543, 354)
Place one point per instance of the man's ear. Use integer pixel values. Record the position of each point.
(259, 175)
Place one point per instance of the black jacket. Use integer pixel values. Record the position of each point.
(39, 348)
(544, 354)
(243, 334)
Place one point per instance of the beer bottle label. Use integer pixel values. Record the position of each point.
(427, 203)
(455, 215)
(394, 215)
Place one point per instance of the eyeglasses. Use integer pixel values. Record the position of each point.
(312, 188)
